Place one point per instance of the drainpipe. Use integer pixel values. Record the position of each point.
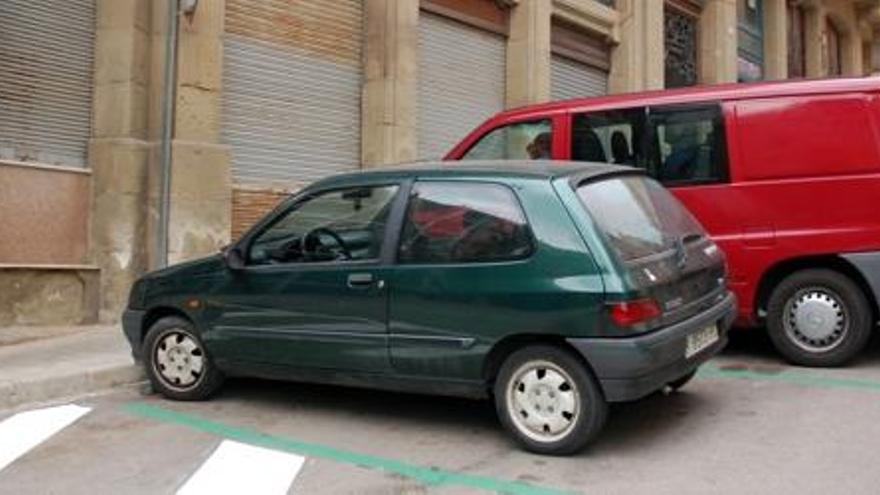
(167, 134)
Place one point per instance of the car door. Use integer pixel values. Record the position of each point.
(312, 291)
(463, 278)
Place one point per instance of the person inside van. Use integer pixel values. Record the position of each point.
(539, 148)
(620, 149)
(586, 146)
(684, 150)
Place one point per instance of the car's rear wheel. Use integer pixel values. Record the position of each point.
(177, 363)
(548, 400)
(818, 318)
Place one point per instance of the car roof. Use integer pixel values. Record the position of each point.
(696, 94)
(496, 169)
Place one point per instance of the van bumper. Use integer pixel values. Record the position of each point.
(132, 321)
(631, 368)
(868, 265)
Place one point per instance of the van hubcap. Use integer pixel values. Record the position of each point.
(815, 320)
(543, 402)
(179, 360)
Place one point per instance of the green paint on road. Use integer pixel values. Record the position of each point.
(788, 376)
(428, 476)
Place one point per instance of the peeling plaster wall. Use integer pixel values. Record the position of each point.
(47, 297)
(119, 218)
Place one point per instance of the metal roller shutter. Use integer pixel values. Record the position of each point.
(461, 81)
(46, 62)
(573, 79)
(292, 85)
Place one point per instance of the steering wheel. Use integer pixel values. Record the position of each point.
(312, 241)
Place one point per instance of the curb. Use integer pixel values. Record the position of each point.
(20, 392)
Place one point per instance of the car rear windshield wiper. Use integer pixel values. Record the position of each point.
(689, 238)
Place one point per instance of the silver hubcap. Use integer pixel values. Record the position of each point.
(179, 360)
(815, 320)
(543, 402)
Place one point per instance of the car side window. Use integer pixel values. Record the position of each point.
(339, 225)
(688, 145)
(463, 222)
(525, 140)
(615, 136)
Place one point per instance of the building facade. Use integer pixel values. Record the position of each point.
(268, 95)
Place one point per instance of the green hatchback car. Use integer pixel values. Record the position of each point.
(554, 289)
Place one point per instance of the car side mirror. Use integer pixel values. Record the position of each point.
(233, 258)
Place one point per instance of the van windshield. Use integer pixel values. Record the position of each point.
(638, 216)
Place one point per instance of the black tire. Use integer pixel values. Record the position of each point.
(207, 381)
(592, 409)
(831, 291)
(676, 385)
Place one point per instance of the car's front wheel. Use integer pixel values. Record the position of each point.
(549, 401)
(176, 361)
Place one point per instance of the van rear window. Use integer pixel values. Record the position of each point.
(638, 216)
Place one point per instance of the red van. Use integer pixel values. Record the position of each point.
(785, 176)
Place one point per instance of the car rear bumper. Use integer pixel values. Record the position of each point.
(631, 368)
(132, 322)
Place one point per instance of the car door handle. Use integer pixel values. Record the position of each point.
(360, 280)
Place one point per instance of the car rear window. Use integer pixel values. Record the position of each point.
(638, 216)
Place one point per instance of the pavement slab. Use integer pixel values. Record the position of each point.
(79, 362)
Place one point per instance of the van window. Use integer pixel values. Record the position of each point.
(688, 145)
(610, 137)
(832, 135)
(676, 145)
(515, 141)
(455, 222)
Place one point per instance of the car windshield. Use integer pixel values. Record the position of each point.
(638, 216)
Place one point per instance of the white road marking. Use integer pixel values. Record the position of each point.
(23, 431)
(236, 467)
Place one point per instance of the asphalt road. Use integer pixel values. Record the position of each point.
(747, 424)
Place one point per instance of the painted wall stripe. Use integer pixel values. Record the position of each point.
(23, 431)
(789, 376)
(426, 475)
(236, 467)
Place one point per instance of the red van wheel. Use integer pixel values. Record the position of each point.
(818, 318)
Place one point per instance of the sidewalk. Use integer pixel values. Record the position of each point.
(72, 361)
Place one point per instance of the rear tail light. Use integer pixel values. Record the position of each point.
(630, 313)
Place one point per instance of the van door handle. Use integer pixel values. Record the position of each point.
(360, 280)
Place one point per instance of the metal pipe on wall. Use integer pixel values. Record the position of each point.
(168, 93)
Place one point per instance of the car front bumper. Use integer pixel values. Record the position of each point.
(132, 326)
(631, 368)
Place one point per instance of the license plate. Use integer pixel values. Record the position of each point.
(698, 341)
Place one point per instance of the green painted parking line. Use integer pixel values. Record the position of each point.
(427, 475)
(795, 377)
